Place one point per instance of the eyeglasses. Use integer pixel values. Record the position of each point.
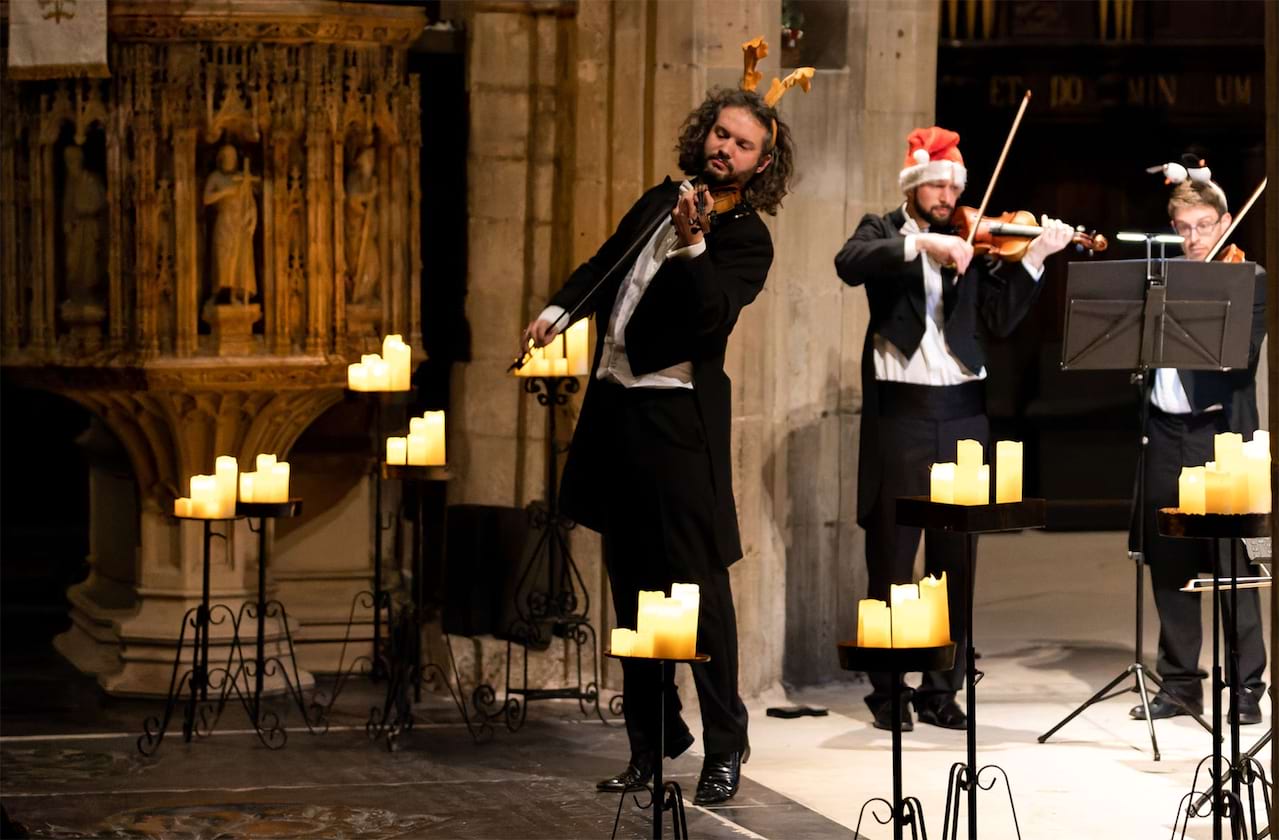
(1203, 228)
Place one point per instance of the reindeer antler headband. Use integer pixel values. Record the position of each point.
(757, 48)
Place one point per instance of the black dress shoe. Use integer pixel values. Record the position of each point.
(640, 769)
(1249, 710)
(1164, 706)
(945, 714)
(636, 775)
(884, 717)
(721, 774)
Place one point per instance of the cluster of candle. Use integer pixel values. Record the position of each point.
(424, 446)
(566, 355)
(666, 627)
(917, 615)
(1238, 481)
(967, 481)
(270, 483)
(214, 496)
(389, 371)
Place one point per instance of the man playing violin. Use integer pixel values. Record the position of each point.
(649, 466)
(1187, 408)
(932, 305)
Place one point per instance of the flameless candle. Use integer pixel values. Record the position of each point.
(379, 375)
(434, 425)
(279, 482)
(932, 593)
(182, 507)
(1008, 471)
(622, 641)
(983, 485)
(398, 358)
(666, 629)
(873, 624)
(1257, 465)
(397, 450)
(247, 480)
(554, 350)
(968, 452)
(1227, 450)
(1190, 490)
(688, 596)
(265, 462)
(645, 624)
(225, 471)
(204, 497)
(1219, 489)
(357, 377)
(576, 348)
(941, 483)
(912, 625)
(415, 450)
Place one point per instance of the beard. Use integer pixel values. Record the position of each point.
(937, 216)
(718, 176)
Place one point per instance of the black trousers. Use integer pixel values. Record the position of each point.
(660, 531)
(919, 425)
(1174, 441)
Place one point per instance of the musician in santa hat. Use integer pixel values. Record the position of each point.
(932, 307)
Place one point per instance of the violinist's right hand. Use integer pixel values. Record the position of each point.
(539, 332)
(945, 249)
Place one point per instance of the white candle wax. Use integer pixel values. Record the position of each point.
(932, 592)
(182, 507)
(247, 482)
(434, 456)
(397, 450)
(1190, 490)
(1008, 470)
(577, 348)
(226, 472)
(416, 449)
(357, 377)
(379, 375)
(622, 641)
(941, 483)
(279, 482)
(265, 462)
(968, 453)
(874, 626)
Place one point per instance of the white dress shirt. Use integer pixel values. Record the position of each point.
(614, 364)
(932, 363)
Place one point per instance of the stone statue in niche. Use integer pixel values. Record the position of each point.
(362, 256)
(84, 204)
(231, 249)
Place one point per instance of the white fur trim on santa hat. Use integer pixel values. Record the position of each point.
(936, 170)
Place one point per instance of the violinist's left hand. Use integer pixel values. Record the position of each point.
(1056, 236)
(690, 225)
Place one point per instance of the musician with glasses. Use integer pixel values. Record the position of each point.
(1189, 407)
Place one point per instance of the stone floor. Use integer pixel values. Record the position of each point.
(1054, 623)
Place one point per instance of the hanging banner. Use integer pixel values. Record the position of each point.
(57, 39)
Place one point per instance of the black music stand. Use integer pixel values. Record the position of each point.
(1137, 315)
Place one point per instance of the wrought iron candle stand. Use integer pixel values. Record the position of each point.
(1244, 770)
(261, 666)
(663, 795)
(551, 598)
(971, 520)
(403, 662)
(372, 664)
(903, 811)
(195, 682)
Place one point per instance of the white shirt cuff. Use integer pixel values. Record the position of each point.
(912, 250)
(1035, 271)
(688, 252)
(551, 314)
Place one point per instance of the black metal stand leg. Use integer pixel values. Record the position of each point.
(550, 594)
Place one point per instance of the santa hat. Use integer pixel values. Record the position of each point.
(932, 154)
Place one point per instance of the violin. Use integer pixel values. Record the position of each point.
(726, 202)
(1007, 235)
(1231, 254)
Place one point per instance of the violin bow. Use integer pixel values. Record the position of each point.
(1237, 219)
(990, 187)
(567, 315)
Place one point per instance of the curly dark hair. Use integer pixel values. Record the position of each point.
(766, 189)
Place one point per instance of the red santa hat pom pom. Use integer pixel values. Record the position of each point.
(932, 154)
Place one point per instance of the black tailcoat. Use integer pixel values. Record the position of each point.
(985, 301)
(686, 315)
